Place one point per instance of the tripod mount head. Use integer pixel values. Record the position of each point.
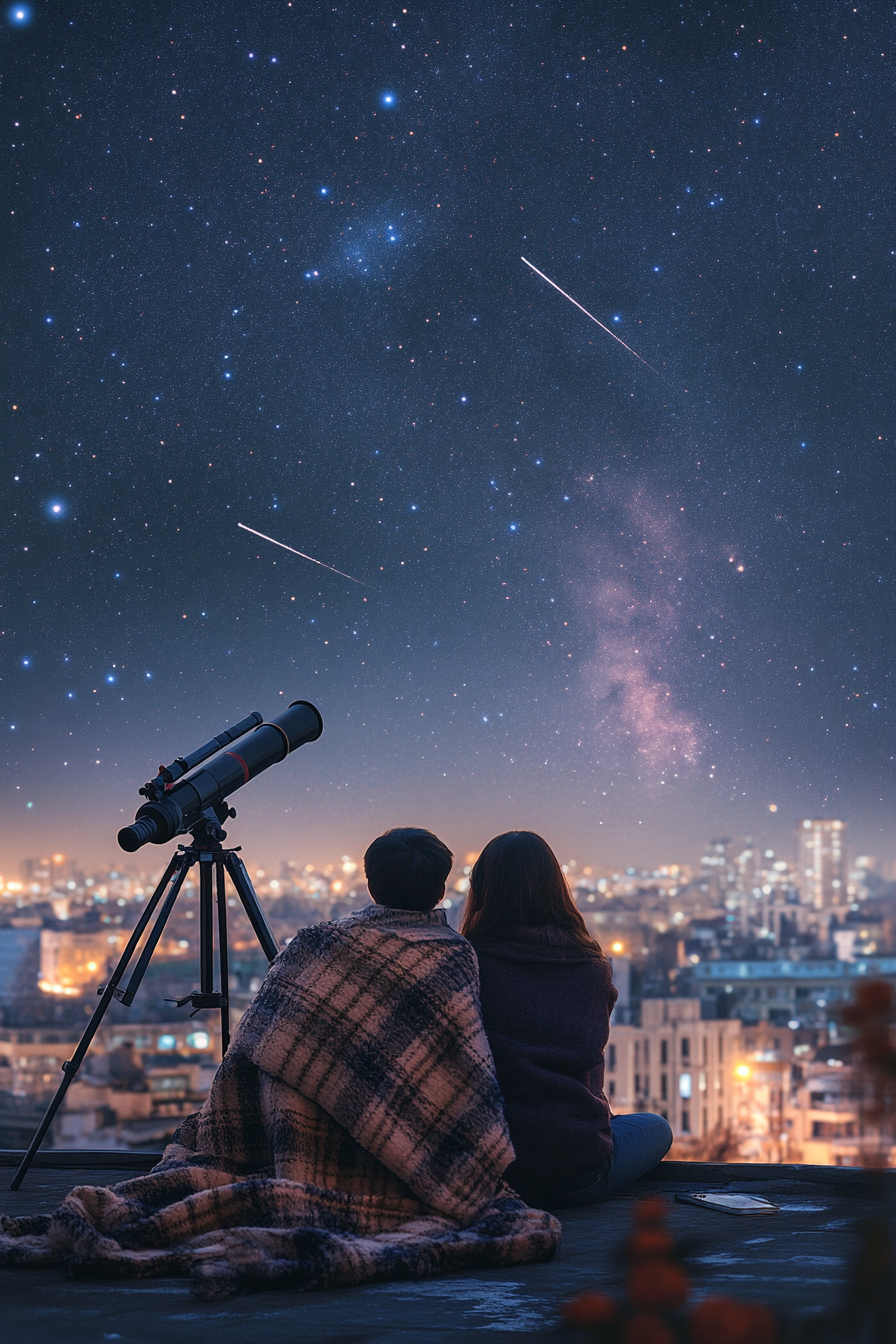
(207, 833)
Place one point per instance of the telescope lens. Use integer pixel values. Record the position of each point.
(158, 822)
(131, 838)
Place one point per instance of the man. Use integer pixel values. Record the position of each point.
(406, 869)
(354, 1130)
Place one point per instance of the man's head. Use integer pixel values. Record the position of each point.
(407, 868)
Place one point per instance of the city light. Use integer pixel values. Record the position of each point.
(704, 1031)
(50, 987)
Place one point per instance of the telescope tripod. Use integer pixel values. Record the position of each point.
(206, 850)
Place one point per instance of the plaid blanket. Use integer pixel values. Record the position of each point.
(354, 1131)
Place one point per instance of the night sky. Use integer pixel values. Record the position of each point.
(263, 267)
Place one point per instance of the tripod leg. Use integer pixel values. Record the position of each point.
(71, 1066)
(246, 892)
(206, 926)
(126, 996)
(171, 871)
(222, 957)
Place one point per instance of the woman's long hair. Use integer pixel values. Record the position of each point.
(517, 883)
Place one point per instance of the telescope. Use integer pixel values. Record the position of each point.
(190, 795)
(178, 798)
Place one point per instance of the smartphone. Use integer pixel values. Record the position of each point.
(723, 1203)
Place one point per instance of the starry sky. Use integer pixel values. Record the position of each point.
(263, 266)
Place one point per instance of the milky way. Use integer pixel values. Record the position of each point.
(635, 603)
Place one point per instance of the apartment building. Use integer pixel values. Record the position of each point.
(675, 1064)
(804, 993)
(827, 1116)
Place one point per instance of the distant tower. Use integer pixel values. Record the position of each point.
(821, 862)
(728, 869)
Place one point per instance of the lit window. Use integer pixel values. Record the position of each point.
(684, 1085)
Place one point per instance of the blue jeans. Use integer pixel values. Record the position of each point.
(639, 1142)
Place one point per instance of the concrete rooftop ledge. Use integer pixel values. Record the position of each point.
(796, 1261)
(712, 1173)
(715, 1173)
(124, 1159)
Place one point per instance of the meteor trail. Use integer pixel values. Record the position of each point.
(302, 554)
(591, 315)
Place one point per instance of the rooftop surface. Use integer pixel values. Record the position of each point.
(795, 1261)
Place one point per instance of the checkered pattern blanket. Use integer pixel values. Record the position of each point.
(354, 1131)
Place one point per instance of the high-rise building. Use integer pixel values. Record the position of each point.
(821, 862)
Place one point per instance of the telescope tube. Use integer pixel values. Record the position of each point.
(186, 800)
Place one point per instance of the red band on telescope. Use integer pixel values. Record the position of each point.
(242, 763)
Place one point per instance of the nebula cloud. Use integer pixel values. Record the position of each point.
(635, 603)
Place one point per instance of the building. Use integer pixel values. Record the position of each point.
(771, 1066)
(19, 961)
(821, 862)
(801, 993)
(76, 963)
(136, 1084)
(675, 1064)
(729, 868)
(827, 1116)
(31, 1060)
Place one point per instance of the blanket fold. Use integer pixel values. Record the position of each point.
(354, 1131)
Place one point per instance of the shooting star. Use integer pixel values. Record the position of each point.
(591, 315)
(303, 556)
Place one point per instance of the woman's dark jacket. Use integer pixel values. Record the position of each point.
(546, 1006)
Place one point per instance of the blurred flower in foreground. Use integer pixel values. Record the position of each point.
(718, 1318)
(657, 1289)
(870, 1016)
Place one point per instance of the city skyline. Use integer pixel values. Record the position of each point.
(53, 866)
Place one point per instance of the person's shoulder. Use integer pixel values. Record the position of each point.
(544, 942)
(305, 942)
(391, 921)
(372, 927)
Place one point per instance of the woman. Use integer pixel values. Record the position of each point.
(547, 995)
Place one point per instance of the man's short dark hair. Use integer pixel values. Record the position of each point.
(407, 868)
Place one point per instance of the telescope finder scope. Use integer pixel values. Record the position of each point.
(179, 805)
(169, 774)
